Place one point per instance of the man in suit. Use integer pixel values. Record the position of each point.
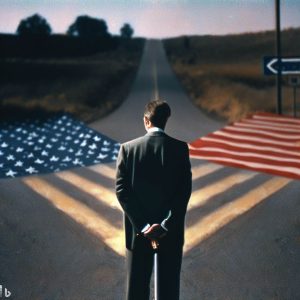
(153, 186)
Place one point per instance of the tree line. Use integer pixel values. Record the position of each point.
(83, 26)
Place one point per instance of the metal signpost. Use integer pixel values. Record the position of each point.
(289, 66)
(278, 65)
(278, 53)
(294, 81)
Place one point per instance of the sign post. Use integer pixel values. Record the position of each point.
(294, 81)
(285, 66)
(278, 50)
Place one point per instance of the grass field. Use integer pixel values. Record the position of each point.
(88, 87)
(223, 75)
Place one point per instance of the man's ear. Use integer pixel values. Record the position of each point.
(147, 121)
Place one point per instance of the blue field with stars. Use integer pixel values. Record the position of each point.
(50, 145)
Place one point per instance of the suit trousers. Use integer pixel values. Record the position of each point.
(140, 265)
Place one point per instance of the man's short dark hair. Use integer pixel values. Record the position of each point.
(158, 112)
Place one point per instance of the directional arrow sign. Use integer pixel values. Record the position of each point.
(289, 65)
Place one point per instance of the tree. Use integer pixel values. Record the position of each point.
(34, 25)
(126, 31)
(186, 41)
(85, 26)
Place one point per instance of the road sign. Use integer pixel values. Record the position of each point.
(289, 65)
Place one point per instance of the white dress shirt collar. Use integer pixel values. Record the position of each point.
(153, 129)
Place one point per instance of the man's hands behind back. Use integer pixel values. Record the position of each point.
(155, 232)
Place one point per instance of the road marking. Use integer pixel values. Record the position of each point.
(98, 191)
(81, 213)
(204, 194)
(155, 82)
(114, 237)
(213, 222)
(204, 170)
(104, 170)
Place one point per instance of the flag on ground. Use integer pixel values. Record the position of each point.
(263, 142)
(51, 145)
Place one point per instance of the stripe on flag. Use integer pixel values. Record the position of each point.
(263, 142)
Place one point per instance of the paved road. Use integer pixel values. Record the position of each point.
(155, 78)
(61, 234)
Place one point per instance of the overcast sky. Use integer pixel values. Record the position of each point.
(156, 18)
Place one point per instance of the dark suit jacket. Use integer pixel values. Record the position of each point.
(154, 178)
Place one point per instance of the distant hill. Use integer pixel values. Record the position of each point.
(234, 47)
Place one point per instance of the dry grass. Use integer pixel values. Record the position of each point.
(224, 79)
(88, 87)
(230, 91)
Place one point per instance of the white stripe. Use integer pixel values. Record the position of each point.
(276, 118)
(270, 123)
(246, 146)
(156, 92)
(248, 125)
(216, 220)
(205, 193)
(255, 139)
(253, 165)
(204, 170)
(251, 154)
(278, 135)
(104, 170)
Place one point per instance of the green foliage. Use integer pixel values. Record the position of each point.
(85, 26)
(34, 25)
(126, 31)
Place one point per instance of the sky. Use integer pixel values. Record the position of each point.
(156, 18)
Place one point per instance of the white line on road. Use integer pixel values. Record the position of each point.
(215, 221)
(81, 213)
(155, 83)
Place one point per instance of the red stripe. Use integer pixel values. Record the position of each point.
(261, 135)
(269, 141)
(279, 130)
(246, 159)
(254, 143)
(244, 150)
(279, 173)
(270, 123)
(284, 120)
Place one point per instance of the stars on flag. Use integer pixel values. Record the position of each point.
(10, 173)
(51, 145)
(18, 164)
(31, 170)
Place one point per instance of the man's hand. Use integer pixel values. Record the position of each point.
(155, 232)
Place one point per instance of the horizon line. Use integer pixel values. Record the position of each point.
(183, 35)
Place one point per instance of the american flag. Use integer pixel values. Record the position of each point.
(51, 145)
(263, 142)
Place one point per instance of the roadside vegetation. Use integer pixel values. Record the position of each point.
(223, 75)
(86, 72)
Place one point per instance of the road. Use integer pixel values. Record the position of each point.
(62, 236)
